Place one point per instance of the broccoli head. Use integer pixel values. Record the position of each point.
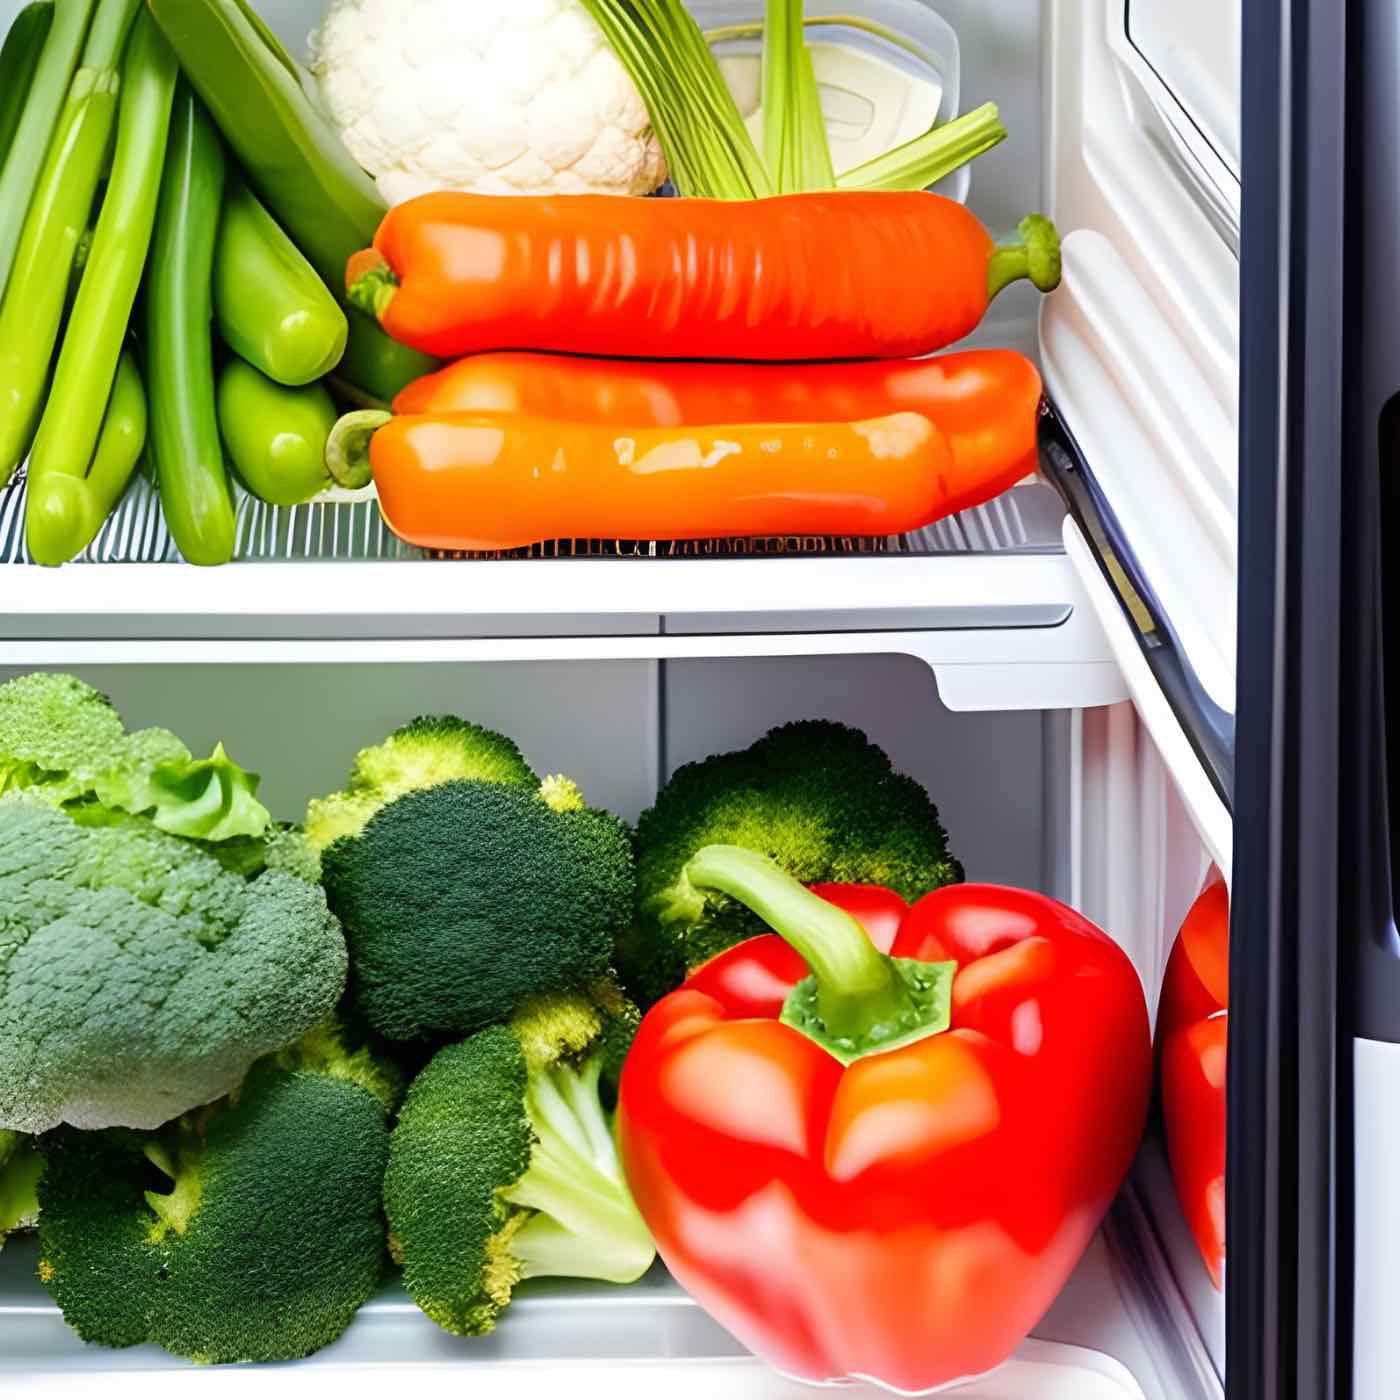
(464, 900)
(502, 1166)
(138, 977)
(250, 1230)
(431, 750)
(817, 797)
(64, 740)
(20, 1165)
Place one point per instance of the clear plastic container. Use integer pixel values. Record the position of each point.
(887, 74)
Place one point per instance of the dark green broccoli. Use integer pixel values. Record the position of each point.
(817, 797)
(502, 1166)
(464, 900)
(247, 1231)
(20, 1165)
(430, 750)
(138, 977)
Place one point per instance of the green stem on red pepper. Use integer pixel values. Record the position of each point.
(858, 1001)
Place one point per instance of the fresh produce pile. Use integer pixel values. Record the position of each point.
(244, 1067)
(184, 280)
(165, 178)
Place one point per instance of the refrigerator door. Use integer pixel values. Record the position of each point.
(1369, 871)
(1302, 703)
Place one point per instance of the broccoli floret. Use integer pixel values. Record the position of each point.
(138, 977)
(817, 797)
(502, 1166)
(462, 901)
(247, 1231)
(64, 740)
(430, 750)
(20, 1165)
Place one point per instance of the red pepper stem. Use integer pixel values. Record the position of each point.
(858, 987)
(347, 448)
(1036, 257)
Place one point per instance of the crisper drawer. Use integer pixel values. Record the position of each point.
(1074, 801)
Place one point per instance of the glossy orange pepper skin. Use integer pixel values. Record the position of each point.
(911, 1217)
(985, 402)
(1192, 1038)
(826, 276)
(477, 482)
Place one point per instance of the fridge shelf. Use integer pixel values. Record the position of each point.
(1101, 1340)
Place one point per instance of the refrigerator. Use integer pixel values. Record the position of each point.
(1161, 657)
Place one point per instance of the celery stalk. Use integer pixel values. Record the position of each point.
(795, 143)
(928, 158)
(708, 148)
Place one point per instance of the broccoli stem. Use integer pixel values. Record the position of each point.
(858, 1001)
(586, 1224)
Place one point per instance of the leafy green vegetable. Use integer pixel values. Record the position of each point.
(795, 143)
(66, 741)
(248, 1231)
(138, 977)
(503, 1167)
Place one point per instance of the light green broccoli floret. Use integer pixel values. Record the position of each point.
(503, 1167)
(247, 1231)
(20, 1165)
(817, 797)
(431, 750)
(64, 740)
(138, 977)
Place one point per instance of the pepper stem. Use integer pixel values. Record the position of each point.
(1036, 257)
(347, 448)
(370, 283)
(858, 1000)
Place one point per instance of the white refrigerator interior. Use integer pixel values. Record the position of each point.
(987, 655)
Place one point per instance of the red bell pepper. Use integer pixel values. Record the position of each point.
(1192, 1031)
(887, 1168)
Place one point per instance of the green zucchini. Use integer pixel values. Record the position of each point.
(195, 492)
(294, 160)
(270, 306)
(276, 436)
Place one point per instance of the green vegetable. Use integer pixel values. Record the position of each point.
(93, 342)
(19, 61)
(141, 978)
(293, 158)
(433, 749)
(276, 437)
(271, 307)
(708, 148)
(795, 143)
(64, 741)
(375, 364)
(195, 493)
(32, 310)
(502, 1166)
(463, 899)
(20, 1165)
(709, 151)
(247, 1231)
(816, 797)
(30, 145)
(63, 513)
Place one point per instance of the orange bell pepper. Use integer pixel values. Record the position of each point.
(488, 482)
(985, 402)
(829, 276)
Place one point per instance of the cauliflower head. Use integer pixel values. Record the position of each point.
(492, 97)
(138, 977)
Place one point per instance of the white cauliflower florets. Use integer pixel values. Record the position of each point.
(493, 96)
